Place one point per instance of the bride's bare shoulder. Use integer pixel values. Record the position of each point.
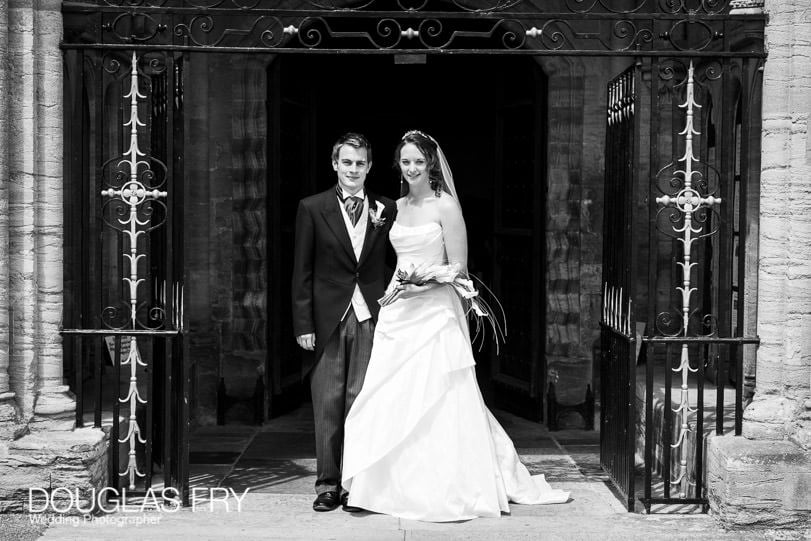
(448, 206)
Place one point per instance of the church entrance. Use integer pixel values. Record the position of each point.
(488, 114)
(260, 135)
(192, 130)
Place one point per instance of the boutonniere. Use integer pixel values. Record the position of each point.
(376, 214)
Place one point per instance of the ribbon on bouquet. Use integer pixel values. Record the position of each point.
(478, 309)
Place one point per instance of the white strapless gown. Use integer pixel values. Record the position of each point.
(419, 443)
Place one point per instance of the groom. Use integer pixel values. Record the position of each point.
(338, 275)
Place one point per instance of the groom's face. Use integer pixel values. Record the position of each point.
(351, 167)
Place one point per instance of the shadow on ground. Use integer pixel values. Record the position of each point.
(279, 457)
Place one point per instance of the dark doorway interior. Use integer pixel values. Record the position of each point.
(488, 115)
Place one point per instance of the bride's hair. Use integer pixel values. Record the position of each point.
(428, 147)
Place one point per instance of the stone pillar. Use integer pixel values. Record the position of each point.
(8, 406)
(781, 407)
(52, 394)
(34, 450)
(35, 206)
(21, 202)
(764, 478)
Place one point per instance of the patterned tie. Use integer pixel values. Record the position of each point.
(353, 206)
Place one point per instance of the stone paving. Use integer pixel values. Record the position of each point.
(276, 462)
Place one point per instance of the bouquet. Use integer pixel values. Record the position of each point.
(478, 309)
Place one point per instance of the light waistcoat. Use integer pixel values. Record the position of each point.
(357, 234)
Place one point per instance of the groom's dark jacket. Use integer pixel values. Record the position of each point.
(325, 269)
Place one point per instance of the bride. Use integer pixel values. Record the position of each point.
(419, 443)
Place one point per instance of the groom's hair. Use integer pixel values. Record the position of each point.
(354, 140)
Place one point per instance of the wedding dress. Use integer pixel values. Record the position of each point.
(419, 442)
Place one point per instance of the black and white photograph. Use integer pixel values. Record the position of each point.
(405, 269)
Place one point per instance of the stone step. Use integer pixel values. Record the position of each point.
(687, 451)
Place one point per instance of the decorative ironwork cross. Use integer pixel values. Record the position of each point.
(133, 193)
(688, 201)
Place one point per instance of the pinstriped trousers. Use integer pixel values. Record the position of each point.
(335, 381)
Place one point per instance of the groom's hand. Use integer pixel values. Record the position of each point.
(306, 341)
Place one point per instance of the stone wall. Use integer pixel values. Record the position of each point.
(225, 228)
(764, 478)
(76, 460)
(576, 131)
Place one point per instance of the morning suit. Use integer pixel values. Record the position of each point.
(335, 261)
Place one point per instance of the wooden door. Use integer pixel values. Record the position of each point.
(517, 373)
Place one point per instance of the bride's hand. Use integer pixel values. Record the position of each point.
(391, 294)
(409, 290)
(405, 291)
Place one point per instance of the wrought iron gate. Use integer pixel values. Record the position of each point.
(618, 341)
(124, 264)
(124, 94)
(677, 269)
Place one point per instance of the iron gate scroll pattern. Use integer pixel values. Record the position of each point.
(575, 27)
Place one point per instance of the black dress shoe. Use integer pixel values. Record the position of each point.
(326, 501)
(348, 508)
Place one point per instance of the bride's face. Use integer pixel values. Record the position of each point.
(413, 165)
